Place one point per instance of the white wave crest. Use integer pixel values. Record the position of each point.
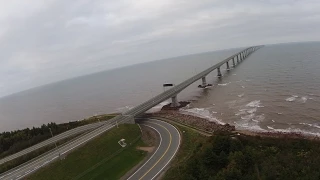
(269, 127)
(303, 99)
(311, 125)
(241, 95)
(202, 113)
(292, 98)
(255, 103)
(158, 107)
(124, 109)
(225, 84)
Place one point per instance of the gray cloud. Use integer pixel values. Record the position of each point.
(47, 42)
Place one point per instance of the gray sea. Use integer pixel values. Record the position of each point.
(276, 89)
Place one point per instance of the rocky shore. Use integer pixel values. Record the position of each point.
(194, 121)
(210, 126)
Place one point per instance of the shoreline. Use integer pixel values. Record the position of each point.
(211, 126)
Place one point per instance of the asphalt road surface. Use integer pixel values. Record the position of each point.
(52, 140)
(31, 166)
(167, 149)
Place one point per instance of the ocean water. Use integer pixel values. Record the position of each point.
(276, 89)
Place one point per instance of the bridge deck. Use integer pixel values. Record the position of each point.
(138, 110)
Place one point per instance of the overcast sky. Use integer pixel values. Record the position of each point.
(43, 41)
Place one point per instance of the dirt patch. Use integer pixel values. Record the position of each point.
(149, 136)
(147, 149)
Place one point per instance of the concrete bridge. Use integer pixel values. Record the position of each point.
(174, 91)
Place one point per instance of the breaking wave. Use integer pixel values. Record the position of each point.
(292, 98)
(202, 113)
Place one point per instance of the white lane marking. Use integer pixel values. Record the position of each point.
(61, 153)
(140, 128)
(152, 154)
(174, 152)
(27, 171)
(87, 140)
(25, 174)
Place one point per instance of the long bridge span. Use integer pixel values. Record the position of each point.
(126, 117)
(172, 93)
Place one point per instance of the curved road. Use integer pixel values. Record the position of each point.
(167, 149)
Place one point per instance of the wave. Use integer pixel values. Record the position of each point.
(311, 125)
(225, 84)
(297, 130)
(269, 127)
(241, 95)
(303, 99)
(292, 98)
(124, 109)
(202, 113)
(255, 103)
(158, 107)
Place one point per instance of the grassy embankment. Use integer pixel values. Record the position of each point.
(41, 135)
(191, 142)
(100, 158)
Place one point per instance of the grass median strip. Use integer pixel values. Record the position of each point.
(100, 158)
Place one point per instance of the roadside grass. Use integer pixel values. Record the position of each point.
(191, 142)
(103, 153)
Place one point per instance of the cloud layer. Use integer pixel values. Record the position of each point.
(48, 41)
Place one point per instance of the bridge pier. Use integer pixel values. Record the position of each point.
(234, 64)
(228, 67)
(238, 59)
(175, 102)
(204, 81)
(219, 72)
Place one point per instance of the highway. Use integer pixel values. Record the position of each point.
(127, 117)
(27, 168)
(169, 144)
(52, 140)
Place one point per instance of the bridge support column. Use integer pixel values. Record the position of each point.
(234, 63)
(175, 102)
(228, 67)
(219, 72)
(204, 81)
(238, 59)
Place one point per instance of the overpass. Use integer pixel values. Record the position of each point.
(127, 117)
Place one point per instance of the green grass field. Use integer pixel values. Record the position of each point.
(97, 159)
